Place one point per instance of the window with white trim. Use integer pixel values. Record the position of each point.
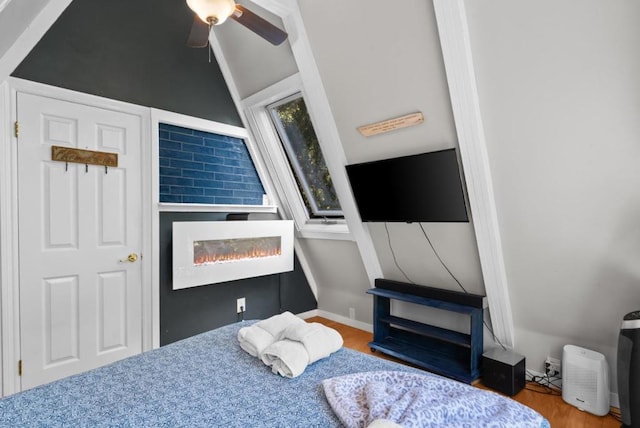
(284, 128)
(300, 143)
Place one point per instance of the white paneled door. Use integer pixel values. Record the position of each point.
(80, 292)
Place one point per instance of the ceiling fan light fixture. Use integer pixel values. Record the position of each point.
(213, 12)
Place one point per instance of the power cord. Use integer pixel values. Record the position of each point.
(395, 260)
(546, 381)
(424, 232)
(545, 385)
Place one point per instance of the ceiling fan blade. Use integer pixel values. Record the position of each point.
(199, 35)
(258, 25)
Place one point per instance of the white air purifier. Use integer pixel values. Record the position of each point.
(585, 379)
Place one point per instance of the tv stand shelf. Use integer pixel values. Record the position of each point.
(447, 352)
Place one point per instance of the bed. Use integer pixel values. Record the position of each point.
(206, 380)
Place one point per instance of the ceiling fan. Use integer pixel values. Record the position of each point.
(215, 12)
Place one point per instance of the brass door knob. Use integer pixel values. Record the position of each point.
(131, 258)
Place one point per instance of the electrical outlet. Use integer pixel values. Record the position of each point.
(241, 305)
(552, 367)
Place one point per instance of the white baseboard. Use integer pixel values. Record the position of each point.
(337, 318)
(615, 400)
(308, 314)
(346, 321)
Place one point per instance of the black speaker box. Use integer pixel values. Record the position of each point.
(503, 371)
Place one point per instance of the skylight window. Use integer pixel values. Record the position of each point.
(300, 143)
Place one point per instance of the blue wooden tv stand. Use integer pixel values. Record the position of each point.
(447, 352)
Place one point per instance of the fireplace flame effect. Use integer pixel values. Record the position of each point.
(230, 250)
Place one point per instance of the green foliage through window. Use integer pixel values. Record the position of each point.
(300, 142)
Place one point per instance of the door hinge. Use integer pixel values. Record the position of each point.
(16, 128)
(19, 367)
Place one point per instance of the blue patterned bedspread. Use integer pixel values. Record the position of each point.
(204, 381)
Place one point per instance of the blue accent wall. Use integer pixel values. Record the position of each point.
(133, 51)
(189, 311)
(199, 167)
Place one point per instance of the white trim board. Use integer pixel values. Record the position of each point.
(8, 246)
(456, 50)
(31, 35)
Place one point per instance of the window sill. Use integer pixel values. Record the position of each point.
(318, 230)
(167, 207)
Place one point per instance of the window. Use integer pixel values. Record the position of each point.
(300, 143)
(288, 138)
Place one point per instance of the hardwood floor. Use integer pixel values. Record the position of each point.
(552, 407)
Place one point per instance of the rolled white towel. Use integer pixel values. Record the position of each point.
(277, 323)
(287, 358)
(255, 338)
(319, 340)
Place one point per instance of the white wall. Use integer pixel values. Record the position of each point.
(341, 277)
(379, 61)
(559, 90)
(22, 23)
(254, 63)
(560, 99)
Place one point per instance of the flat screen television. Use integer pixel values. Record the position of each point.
(418, 188)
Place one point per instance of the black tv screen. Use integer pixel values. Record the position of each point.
(418, 188)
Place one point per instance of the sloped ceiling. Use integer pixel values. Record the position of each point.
(133, 51)
(21, 25)
(379, 63)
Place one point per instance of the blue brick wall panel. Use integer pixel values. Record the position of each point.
(201, 175)
(220, 168)
(218, 192)
(184, 164)
(174, 154)
(208, 160)
(241, 186)
(201, 200)
(184, 138)
(246, 194)
(252, 180)
(229, 201)
(174, 199)
(208, 184)
(204, 168)
(216, 143)
(166, 171)
(186, 191)
(176, 181)
(237, 162)
(167, 144)
(229, 154)
(193, 148)
(228, 177)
